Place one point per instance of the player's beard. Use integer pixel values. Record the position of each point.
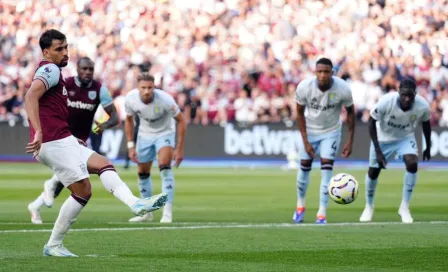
(63, 63)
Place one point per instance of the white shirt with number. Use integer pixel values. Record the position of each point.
(157, 117)
(323, 109)
(395, 124)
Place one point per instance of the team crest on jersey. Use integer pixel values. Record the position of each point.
(92, 95)
(331, 96)
(413, 117)
(71, 93)
(156, 110)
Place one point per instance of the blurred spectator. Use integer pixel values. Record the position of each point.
(233, 59)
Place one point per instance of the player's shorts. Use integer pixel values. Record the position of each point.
(148, 146)
(326, 145)
(402, 147)
(67, 158)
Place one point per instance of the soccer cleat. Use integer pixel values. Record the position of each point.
(167, 216)
(405, 215)
(299, 215)
(35, 215)
(145, 218)
(146, 205)
(321, 219)
(49, 193)
(367, 214)
(57, 251)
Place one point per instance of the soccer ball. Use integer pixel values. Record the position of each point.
(343, 188)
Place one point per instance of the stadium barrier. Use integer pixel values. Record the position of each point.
(233, 141)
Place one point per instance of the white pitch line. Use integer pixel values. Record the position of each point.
(228, 226)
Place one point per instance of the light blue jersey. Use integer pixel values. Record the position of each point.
(395, 127)
(157, 125)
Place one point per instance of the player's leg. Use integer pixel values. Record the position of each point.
(371, 178)
(81, 193)
(65, 158)
(113, 183)
(329, 147)
(145, 188)
(303, 180)
(45, 198)
(165, 149)
(407, 150)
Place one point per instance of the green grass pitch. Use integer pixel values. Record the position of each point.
(229, 220)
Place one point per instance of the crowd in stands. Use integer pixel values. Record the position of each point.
(231, 60)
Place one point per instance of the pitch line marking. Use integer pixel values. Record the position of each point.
(227, 226)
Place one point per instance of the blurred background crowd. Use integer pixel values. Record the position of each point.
(231, 60)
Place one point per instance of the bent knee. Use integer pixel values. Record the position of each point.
(374, 173)
(412, 167)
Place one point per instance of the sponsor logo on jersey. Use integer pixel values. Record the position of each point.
(398, 126)
(81, 105)
(92, 95)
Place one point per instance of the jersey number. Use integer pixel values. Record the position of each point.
(413, 144)
(333, 146)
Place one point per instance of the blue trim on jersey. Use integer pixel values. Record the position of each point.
(105, 97)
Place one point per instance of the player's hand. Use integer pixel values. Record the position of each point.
(133, 155)
(81, 142)
(427, 154)
(98, 128)
(382, 163)
(347, 151)
(34, 146)
(178, 157)
(309, 149)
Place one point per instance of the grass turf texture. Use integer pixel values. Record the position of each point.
(229, 220)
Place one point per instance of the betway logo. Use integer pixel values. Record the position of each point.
(260, 141)
(81, 105)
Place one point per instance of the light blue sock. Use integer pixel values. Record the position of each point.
(326, 174)
(303, 179)
(168, 183)
(408, 187)
(370, 189)
(145, 185)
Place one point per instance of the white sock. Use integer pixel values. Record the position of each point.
(112, 182)
(53, 181)
(38, 202)
(67, 216)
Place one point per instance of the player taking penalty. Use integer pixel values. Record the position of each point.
(84, 96)
(157, 112)
(323, 96)
(392, 126)
(52, 144)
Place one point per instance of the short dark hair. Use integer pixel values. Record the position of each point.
(48, 36)
(325, 61)
(84, 58)
(408, 83)
(145, 76)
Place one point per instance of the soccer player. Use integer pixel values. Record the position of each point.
(52, 144)
(392, 126)
(84, 96)
(157, 111)
(323, 96)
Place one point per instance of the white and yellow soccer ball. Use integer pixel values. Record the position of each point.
(343, 188)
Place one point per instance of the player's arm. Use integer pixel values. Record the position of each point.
(301, 101)
(351, 120)
(108, 105)
(426, 127)
(46, 77)
(129, 130)
(376, 114)
(181, 128)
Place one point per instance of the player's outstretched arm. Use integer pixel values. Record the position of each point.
(351, 131)
(426, 126)
(181, 128)
(35, 92)
(374, 136)
(301, 122)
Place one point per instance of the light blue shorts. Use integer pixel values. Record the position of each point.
(148, 147)
(326, 145)
(402, 147)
